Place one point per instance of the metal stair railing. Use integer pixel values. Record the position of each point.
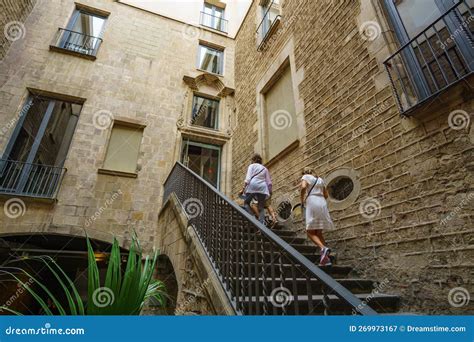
(250, 259)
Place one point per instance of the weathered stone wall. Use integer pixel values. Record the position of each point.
(13, 13)
(138, 75)
(416, 171)
(199, 288)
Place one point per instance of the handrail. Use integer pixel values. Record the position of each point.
(179, 182)
(30, 179)
(80, 33)
(265, 15)
(222, 26)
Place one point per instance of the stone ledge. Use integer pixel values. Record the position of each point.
(213, 292)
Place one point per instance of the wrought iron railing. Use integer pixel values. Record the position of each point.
(77, 42)
(435, 59)
(270, 18)
(32, 180)
(252, 262)
(214, 22)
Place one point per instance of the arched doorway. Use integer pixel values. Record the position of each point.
(69, 252)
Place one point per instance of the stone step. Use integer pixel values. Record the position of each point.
(300, 285)
(300, 305)
(334, 271)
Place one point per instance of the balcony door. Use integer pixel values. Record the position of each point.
(83, 33)
(33, 160)
(213, 17)
(203, 159)
(437, 37)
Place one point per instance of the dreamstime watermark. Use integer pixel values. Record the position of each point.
(193, 207)
(22, 287)
(457, 209)
(370, 30)
(14, 208)
(107, 204)
(377, 290)
(191, 32)
(14, 30)
(10, 124)
(103, 296)
(461, 29)
(370, 208)
(46, 330)
(459, 119)
(458, 297)
(281, 119)
(281, 297)
(102, 119)
(369, 122)
(183, 307)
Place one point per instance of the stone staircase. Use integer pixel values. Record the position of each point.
(265, 271)
(365, 289)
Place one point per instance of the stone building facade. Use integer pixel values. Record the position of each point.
(144, 75)
(128, 77)
(401, 189)
(302, 82)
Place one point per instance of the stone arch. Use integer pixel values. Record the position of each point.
(68, 250)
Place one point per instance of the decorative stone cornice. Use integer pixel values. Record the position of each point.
(210, 80)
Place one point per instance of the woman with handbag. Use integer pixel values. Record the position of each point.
(258, 186)
(313, 197)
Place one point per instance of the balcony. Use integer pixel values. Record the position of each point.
(76, 43)
(269, 24)
(30, 180)
(214, 22)
(436, 59)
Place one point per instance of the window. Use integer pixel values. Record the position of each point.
(211, 59)
(32, 164)
(123, 149)
(205, 112)
(203, 159)
(436, 50)
(280, 114)
(213, 17)
(340, 188)
(270, 14)
(83, 34)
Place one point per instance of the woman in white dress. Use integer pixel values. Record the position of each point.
(313, 199)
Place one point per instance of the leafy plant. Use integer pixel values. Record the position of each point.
(124, 291)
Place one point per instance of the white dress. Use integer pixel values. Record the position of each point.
(316, 212)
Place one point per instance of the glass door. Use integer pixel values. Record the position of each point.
(33, 160)
(203, 159)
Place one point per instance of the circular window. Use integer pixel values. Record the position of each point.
(340, 188)
(284, 210)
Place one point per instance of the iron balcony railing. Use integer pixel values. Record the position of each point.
(437, 58)
(32, 180)
(77, 42)
(250, 260)
(270, 18)
(214, 22)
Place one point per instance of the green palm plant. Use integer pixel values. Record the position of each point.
(124, 291)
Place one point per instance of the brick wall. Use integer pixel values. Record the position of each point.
(12, 14)
(417, 171)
